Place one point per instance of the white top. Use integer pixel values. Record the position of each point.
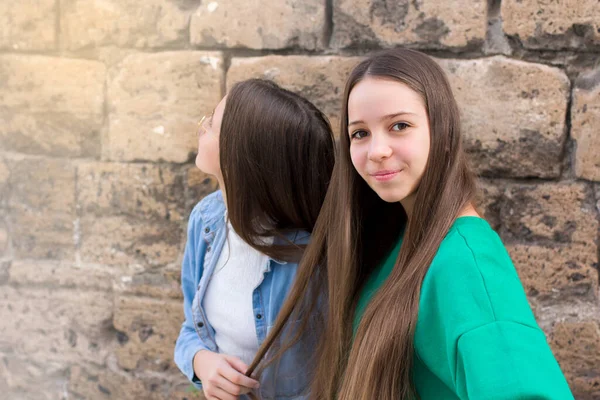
(228, 299)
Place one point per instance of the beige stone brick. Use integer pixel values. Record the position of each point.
(542, 24)
(148, 191)
(199, 185)
(585, 120)
(550, 214)
(489, 200)
(163, 283)
(17, 373)
(91, 382)
(576, 346)
(41, 213)
(513, 115)
(28, 25)
(149, 329)
(320, 79)
(124, 23)
(252, 24)
(51, 106)
(3, 237)
(4, 179)
(557, 272)
(156, 101)
(426, 23)
(56, 327)
(61, 274)
(122, 241)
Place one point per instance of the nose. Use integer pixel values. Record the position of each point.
(379, 148)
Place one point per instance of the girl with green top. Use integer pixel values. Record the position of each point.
(422, 299)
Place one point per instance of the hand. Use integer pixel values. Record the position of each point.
(223, 377)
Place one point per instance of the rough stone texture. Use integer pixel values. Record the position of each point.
(148, 330)
(17, 373)
(58, 327)
(513, 115)
(319, 79)
(550, 214)
(125, 23)
(3, 238)
(122, 241)
(577, 347)
(42, 208)
(61, 274)
(557, 272)
(585, 120)
(28, 25)
(252, 24)
(489, 200)
(199, 185)
(89, 382)
(542, 24)
(146, 191)
(51, 106)
(155, 102)
(426, 23)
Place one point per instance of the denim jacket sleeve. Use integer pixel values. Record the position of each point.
(189, 342)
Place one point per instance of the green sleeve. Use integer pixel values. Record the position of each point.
(507, 360)
(476, 334)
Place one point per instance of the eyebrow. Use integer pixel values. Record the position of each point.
(389, 116)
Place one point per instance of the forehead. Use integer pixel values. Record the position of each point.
(372, 97)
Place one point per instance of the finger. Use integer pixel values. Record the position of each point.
(223, 395)
(229, 387)
(238, 378)
(236, 363)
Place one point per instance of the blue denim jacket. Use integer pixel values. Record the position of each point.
(289, 378)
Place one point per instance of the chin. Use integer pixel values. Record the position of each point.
(390, 196)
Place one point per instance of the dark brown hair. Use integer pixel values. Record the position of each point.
(276, 155)
(354, 232)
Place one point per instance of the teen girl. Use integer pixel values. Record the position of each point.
(423, 300)
(272, 153)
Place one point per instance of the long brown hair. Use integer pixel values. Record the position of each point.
(354, 232)
(276, 154)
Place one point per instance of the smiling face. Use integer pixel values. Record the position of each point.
(389, 137)
(207, 159)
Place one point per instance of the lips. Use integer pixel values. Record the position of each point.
(385, 175)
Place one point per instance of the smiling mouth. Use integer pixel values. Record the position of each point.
(383, 176)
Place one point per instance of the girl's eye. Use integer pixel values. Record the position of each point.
(358, 135)
(399, 126)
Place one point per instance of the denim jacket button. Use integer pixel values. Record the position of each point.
(208, 249)
(200, 324)
(258, 316)
(206, 230)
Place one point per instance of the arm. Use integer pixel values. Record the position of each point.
(189, 343)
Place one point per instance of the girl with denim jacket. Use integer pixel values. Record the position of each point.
(272, 153)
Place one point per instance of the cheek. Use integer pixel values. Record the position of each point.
(358, 158)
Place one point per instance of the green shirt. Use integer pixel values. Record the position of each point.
(476, 337)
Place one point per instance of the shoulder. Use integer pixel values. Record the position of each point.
(207, 210)
(474, 278)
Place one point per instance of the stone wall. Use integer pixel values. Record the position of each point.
(99, 101)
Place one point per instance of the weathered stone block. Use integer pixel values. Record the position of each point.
(17, 373)
(61, 274)
(42, 208)
(51, 106)
(199, 185)
(489, 200)
(121, 241)
(148, 331)
(128, 23)
(248, 23)
(28, 25)
(156, 101)
(576, 346)
(550, 214)
(3, 237)
(160, 284)
(320, 79)
(557, 272)
(585, 120)
(513, 115)
(59, 327)
(425, 23)
(541, 24)
(146, 191)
